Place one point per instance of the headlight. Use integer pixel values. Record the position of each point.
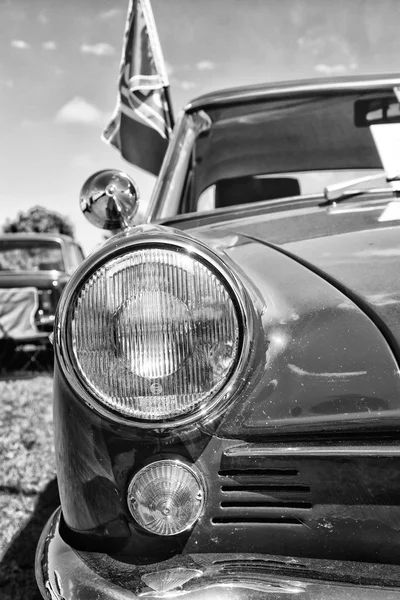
(156, 333)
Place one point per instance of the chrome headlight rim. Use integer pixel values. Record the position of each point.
(155, 236)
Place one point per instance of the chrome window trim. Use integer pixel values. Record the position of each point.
(266, 91)
(164, 202)
(148, 235)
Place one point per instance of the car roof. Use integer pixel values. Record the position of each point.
(56, 237)
(324, 85)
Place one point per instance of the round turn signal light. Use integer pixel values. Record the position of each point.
(166, 497)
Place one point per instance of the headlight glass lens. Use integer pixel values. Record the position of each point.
(166, 497)
(155, 333)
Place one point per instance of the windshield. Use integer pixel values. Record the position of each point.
(245, 190)
(30, 255)
(291, 146)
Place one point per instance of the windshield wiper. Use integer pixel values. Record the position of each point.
(337, 191)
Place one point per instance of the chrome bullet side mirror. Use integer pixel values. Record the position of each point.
(109, 199)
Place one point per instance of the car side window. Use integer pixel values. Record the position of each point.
(75, 256)
(206, 200)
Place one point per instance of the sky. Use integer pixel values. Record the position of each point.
(59, 68)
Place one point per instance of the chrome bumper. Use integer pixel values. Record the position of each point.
(62, 574)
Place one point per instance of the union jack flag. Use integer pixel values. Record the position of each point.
(142, 122)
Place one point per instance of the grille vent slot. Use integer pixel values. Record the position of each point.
(260, 488)
(276, 504)
(256, 564)
(260, 495)
(256, 519)
(259, 472)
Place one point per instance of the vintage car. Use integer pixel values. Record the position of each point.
(227, 384)
(34, 268)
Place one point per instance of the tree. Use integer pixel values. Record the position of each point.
(39, 220)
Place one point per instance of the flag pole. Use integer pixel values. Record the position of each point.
(158, 55)
(170, 107)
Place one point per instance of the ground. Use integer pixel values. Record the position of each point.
(28, 487)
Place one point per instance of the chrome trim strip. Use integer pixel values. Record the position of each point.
(287, 88)
(168, 188)
(317, 451)
(148, 235)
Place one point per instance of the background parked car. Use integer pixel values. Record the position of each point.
(34, 269)
(42, 261)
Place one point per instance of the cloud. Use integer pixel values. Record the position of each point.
(100, 49)
(186, 85)
(169, 68)
(83, 161)
(30, 124)
(43, 19)
(182, 83)
(331, 53)
(49, 45)
(331, 69)
(7, 83)
(20, 44)
(205, 65)
(109, 14)
(79, 110)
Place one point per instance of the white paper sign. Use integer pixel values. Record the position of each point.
(387, 140)
(391, 212)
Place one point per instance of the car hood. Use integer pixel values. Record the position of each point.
(364, 264)
(329, 311)
(355, 245)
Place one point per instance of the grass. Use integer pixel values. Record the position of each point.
(28, 490)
